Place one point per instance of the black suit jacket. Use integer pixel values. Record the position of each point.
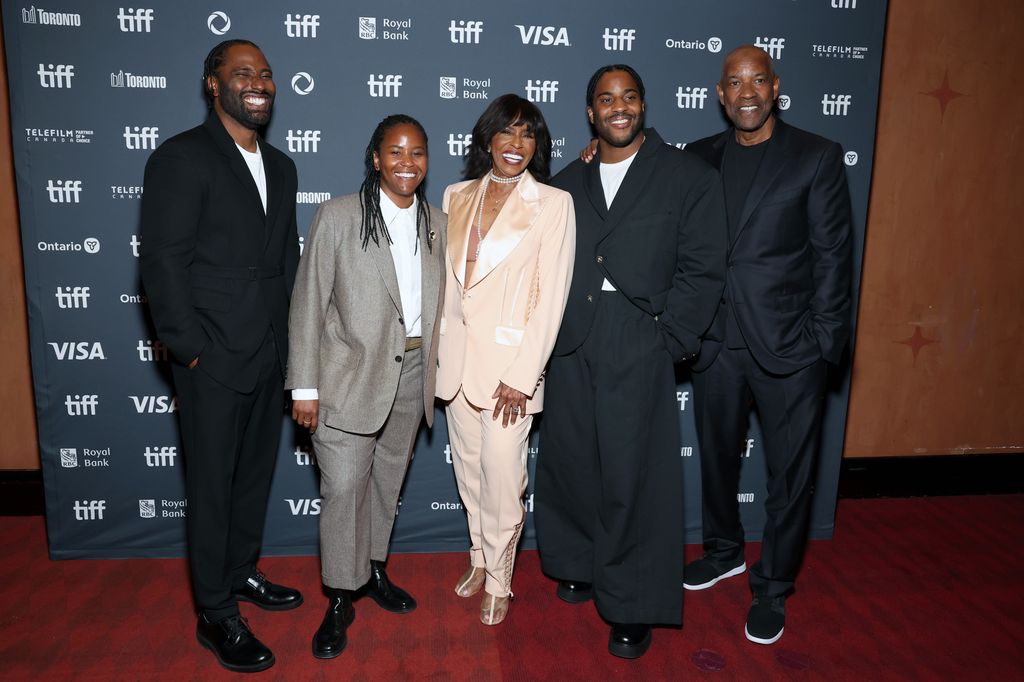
(218, 272)
(790, 260)
(662, 244)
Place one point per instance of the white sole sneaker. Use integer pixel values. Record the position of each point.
(728, 574)
(758, 640)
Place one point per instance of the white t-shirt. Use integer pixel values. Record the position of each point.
(254, 160)
(611, 179)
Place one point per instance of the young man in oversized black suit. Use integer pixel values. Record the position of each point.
(650, 261)
(218, 259)
(784, 315)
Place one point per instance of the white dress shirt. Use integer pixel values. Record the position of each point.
(611, 179)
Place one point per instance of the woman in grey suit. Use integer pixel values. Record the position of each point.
(362, 361)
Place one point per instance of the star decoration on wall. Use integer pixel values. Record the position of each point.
(944, 94)
(916, 341)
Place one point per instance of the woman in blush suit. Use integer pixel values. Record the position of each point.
(508, 268)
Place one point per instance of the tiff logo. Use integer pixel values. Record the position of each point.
(465, 31)
(682, 397)
(64, 191)
(302, 26)
(160, 457)
(303, 457)
(134, 20)
(836, 105)
(773, 46)
(543, 91)
(81, 405)
(691, 97)
(384, 86)
(72, 297)
(89, 510)
(58, 76)
(844, 4)
(619, 39)
(135, 244)
(302, 141)
(151, 351)
(458, 143)
(141, 138)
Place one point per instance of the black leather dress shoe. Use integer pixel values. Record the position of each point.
(234, 645)
(330, 638)
(629, 640)
(388, 596)
(267, 595)
(574, 591)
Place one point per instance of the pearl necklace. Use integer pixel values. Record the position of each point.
(503, 180)
(483, 198)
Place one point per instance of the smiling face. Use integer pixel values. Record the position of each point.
(617, 109)
(748, 90)
(512, 149)
(243, 87)
(402, 162)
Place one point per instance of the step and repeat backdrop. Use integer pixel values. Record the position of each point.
(95, 87)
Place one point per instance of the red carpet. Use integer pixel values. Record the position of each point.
(918, 589)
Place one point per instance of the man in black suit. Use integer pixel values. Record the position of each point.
(650, 260)
(784, 315)
(218, 259)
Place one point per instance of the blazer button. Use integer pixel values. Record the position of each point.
(398, 358)
(600, 259)
(401, 321)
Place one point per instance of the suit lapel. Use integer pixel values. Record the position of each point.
(594, 189)
(771, 165)
(462, 207)
(637, 178)
(229, 149)
(510, 226)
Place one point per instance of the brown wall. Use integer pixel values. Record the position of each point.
(19, 447)
(938, 364)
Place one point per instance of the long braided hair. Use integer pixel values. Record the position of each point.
(373, 225)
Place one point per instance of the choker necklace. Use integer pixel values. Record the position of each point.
(505, 181)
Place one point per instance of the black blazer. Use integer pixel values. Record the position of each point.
(218, 272)
(662, 244)
(790, 260)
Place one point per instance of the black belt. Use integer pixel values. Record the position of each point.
(252, 272)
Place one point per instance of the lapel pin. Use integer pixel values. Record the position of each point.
(432, 235)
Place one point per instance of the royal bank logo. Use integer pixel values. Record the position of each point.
(541, 91)
(464, 32)
(691, 97)
(448, 87)
(312, 197)
(219, 23)
(839, 51)
(384, 85)
(147, 509)
(850, 158)
(72, 297)
(391, 29)
(154, 404)
(123, 79)
(126, 191)
(302, 26)
(471, 88)
(62, 135)
(682, 397)
(64, 191)
(836, 105)
(89, 245)
(134, 20)
(303, 141)
(77, 350)
(81, 405)
(56, 75)
(773, 46)
(368, 28)
(140, 138)
(712, 44)
(619, 39)
(163, 456)
(544, 35)
(151, 350)
(302, 83)
(458, 143)
(89, 510)
(784, 102)
(557, 147)
(844, 4)
(34, 15)
(304, 506)
(69, 458)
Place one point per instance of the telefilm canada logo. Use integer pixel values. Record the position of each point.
(839, 51)
(38, 15)
(59, 135)
(126, 191)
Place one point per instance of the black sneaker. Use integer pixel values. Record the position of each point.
(705, 572)
(766, 620)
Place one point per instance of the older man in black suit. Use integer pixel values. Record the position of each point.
(650, 261)
(218, 259)
(785, 314)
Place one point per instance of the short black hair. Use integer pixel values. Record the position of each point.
(504, 111)
(215, 60)
(592, 85)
